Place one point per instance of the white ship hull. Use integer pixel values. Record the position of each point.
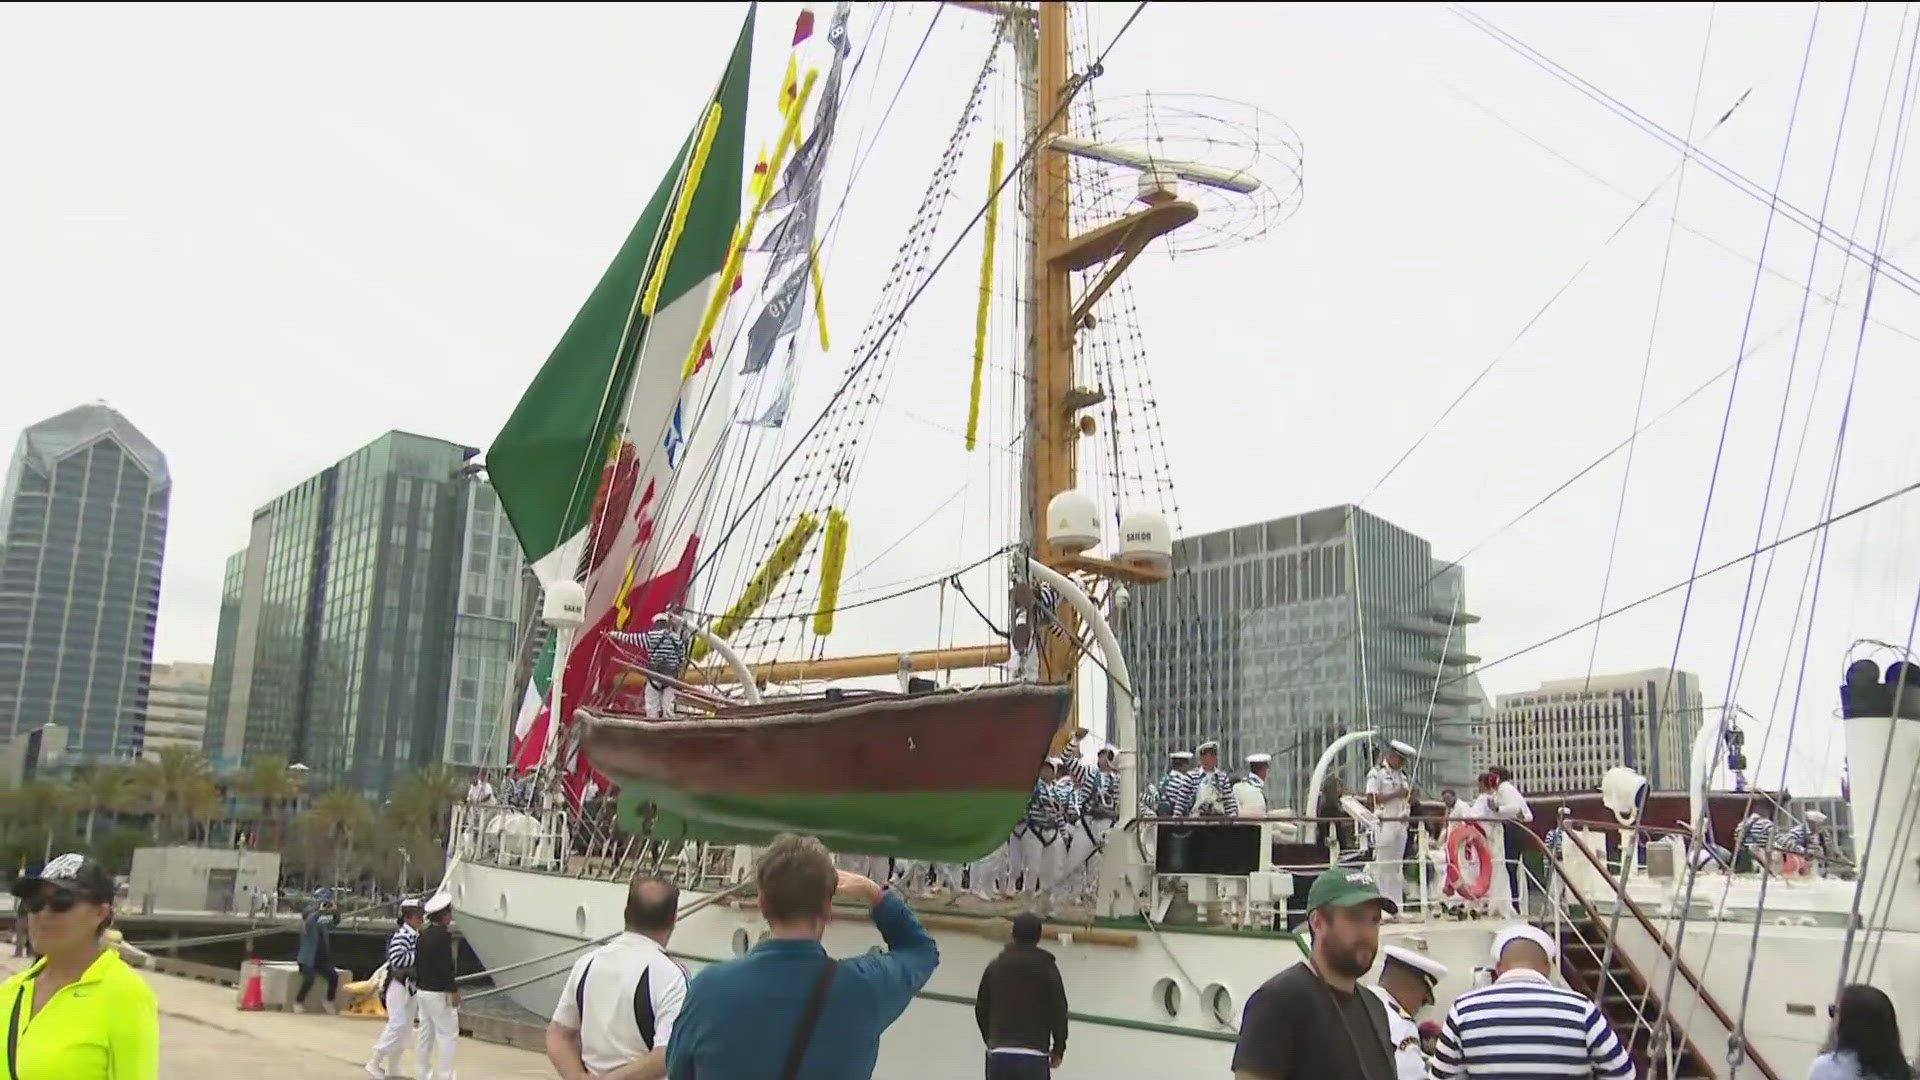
(1120, 995)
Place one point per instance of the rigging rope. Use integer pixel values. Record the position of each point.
(1854, 250)
(1653, 324)
(1020, 163)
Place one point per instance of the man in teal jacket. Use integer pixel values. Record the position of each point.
(788, 1011)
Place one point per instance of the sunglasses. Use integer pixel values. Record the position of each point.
(58, 901)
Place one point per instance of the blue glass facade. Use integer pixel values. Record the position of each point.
(83, 527)
(1280, 636)
(337, 624)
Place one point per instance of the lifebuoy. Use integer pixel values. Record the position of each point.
(1793, 864)
(1458, 838)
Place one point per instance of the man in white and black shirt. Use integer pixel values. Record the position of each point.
(398, 992)
(1524, 1026)
(666, 655)
(616, 1013)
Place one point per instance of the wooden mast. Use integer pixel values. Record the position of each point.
(1051, 422)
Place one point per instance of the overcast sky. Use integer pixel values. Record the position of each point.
(268, 234)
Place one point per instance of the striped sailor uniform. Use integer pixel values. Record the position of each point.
(1801, 840)
(666, 655)
(1177, 791)
(1523, 1026)
(1756, 833)
(1099, 809)
(398, 997)
(1042, 844)
(1222, 800)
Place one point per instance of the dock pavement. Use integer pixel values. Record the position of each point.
(202, 1034)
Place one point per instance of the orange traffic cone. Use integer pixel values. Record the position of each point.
(250, 997)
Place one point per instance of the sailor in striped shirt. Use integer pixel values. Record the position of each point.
(666, 655)
(1178, 787)
(1043, 843)
(1809, 839)
(398, 994)
(1756, 834)
(1523, 1026)
(1213, 785)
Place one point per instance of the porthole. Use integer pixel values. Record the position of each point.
(1166, 994)
(742, 941)
(580, 919)
(1219, 1002)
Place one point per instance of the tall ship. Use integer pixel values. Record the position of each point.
(702, 466)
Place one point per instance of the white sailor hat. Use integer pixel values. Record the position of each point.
(1522, 932)
(440, 902)
(1054, 761)
(1429, 969)
(1396, 744)
(1259, 759)
(1209, 745)
(1815, 817)
(1178, 754)
(409, 903)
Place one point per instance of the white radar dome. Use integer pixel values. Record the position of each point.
(1072, 522)
(566, 603)
(1146, 541)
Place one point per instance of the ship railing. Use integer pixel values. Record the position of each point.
(510, 836)
(1689, 1012)
(1249, 887)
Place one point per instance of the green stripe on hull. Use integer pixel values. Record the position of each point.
(945, 826)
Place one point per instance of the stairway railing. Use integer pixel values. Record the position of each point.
(1738, 1050)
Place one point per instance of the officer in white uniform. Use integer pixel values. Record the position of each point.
(1389, 794)
(1250, 793)
(1406, 986)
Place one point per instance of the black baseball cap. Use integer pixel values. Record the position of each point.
(72, 871)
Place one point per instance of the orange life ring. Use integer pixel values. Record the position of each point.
(1793, 864)
(1458, 838)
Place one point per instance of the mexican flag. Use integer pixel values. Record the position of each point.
(598, 464)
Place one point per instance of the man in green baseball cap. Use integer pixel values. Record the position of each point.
(1311, 1021)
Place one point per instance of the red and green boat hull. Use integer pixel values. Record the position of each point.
(942, 776)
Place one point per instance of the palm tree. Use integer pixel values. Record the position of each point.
(274, 786)
(175, 786)
(343, 818)
(416, 816)
(103, 787)
(39, 807)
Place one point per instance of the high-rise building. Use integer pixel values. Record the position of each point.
(83, 526)
(177, 706)
(1281, 636)
(336, 624)
(1565, 735)
(485, 634)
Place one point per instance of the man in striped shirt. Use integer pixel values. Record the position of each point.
(666, 655)
(1213, 785)
(1523, 1026)
(1043, 842)
(398, 994)
(1756, 835)
(1178, 787)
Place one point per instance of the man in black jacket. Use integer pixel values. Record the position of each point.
(1022, 1007)
(438, 997)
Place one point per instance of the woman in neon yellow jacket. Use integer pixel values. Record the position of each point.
(79, 1012)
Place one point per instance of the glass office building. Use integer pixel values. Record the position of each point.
(485, 628)
(83, 526)
(1281, 636)
(336, 630)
